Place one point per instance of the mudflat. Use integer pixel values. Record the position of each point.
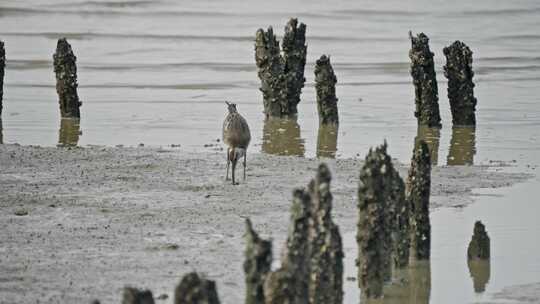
(81, 223)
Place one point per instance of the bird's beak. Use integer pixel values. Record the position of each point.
(227, 103)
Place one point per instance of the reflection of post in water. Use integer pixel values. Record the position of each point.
(281, 136)
(70, 130)
(411, 285)
(1, 133)
(480, 271)
(462, 146)
(432, 138)
(327, 140)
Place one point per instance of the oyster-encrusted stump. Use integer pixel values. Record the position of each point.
(479, 245)
(400, 227)
(66, 80)
(296, 258)
(257, 264)
(425, 82)
(195, 290)
(418, 191)
(132, 295)
(325, 244)
(294, 57)
(325, 84)
(2, 67)
(375, 222)
(282, 76)
(458, 70)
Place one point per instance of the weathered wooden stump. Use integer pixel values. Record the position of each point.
(418, 192)
(425, 82)
(374, 233)
(325, 84)
(400, 222)
(257, 264)
(282, 77)
(279, 288)
(325, 244)
(2, 67)
(458, 70)
(462, 146)
(294, 57)
(66, 80)
(479, 246)
(132, 295)
(195, 290)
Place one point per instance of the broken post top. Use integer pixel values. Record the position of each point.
(325, 84)
(458, 70)
(281, 73)
(195, 290)
(479, 246)
(257, 247)
(319, 189)
(64, 52)
(425, 81)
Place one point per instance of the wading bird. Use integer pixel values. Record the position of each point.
(236, 136)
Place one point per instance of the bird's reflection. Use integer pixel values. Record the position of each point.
(70, 130)
(327, 140)
(480, 271)
(281, 136)
(462, 146)
(432, 138)
(410, 285)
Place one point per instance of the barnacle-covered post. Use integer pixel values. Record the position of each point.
(325, 84)
(256, 265)
(66, 80)
(297, 258)
(418, 191)
(373, 236)
(400, 226)
(195, 290)
(325, 244)
(271, 71)
(132, 295)
(425, 82)
(294, 57)
(2, 67)
(479, 245)
(458, 70)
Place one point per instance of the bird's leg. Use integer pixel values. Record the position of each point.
(234, 161)
(245, 157)
(228, 161)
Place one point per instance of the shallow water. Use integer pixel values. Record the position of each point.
(158, 73)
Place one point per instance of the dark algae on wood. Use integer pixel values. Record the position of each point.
(65, 69)
(258, 260)
(458, 70)
(425, 81)
(325, 84)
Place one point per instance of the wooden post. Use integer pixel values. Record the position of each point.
(325, 84)
(257, 264)
(2, 67)
(132, 295)
(325, 244)
(479, 246)
(418, 192)
(425, 82)
(458, 70)
(282, 77)
(66, 80)
(195, 290)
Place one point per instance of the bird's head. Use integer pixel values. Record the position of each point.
(231, 106)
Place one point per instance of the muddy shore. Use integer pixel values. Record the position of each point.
(80, 224)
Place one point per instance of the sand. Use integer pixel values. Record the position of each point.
(79, 224)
